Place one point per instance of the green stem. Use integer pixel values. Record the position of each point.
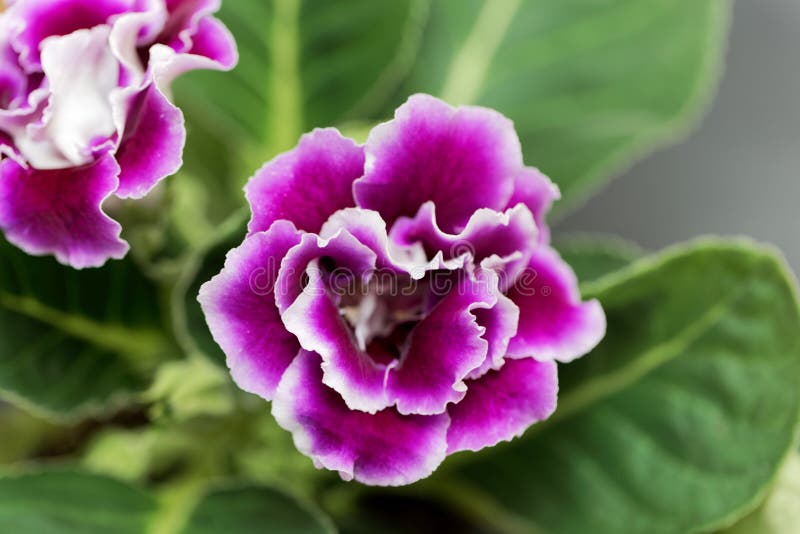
(467, 72)
(286, 102)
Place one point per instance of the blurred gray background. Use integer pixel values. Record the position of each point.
(739, 173)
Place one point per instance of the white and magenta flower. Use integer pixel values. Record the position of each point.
(85, 114)
(398, 301)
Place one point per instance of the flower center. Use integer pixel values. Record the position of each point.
(382, 313)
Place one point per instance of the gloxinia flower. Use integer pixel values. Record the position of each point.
(398, 301)
(85, 114)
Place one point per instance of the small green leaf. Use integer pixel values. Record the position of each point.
(593, 256)
(589, 85)
(255, 509)
(681, 417)
(71, 502)
(74, 342)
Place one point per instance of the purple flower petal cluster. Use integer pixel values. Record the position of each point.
(85, 113)
(398, 301)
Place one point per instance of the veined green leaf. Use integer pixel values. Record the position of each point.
(79, 502)
(74, 342)
(593, 256)
(590, 85)
(303, 64)
(72, 502)
(780, 512)
(678, 421)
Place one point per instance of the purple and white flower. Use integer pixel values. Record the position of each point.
(398, 301)
(85, 113)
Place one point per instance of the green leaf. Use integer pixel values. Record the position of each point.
(302, 64)
(593, 256)
(590, 85)
(71, 502)
(74, 343)
(780, 513)
(79, 502)
(681, 417)
(207, 261)
(255, 509)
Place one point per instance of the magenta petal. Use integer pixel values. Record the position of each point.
(536, 191)
(553, 324)
(383, 449)
(370, 230)
(239, 305)
(503, 404)
(342, 250)
(307, 184)
(59, 212)
(510, 237)
(312, 314)
(7, 148)
(45, 18)
(442, 350)
(314, 318)
(214, 41)
(152, 145)
(461, 159)
(500, 325)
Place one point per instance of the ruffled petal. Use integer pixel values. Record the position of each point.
(553, 324)
(538, 192)
(59, 212)
(190, 29)
(443, 349)
(81, 73)
(307, 184)
(214, 41)
(239, 305)
(342, 252)
(462, 159)
(315, 319)
(383, 449)
(311, 312)
(503, 404)
(508, 236)
(152, 145)
(40, 19)
(370, 230)
(500, 325)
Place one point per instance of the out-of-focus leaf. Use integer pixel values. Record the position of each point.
(206, 262)
(681, 417)
(255, 509)
(590, 85)
(192, 388)
(302, 64)
(593, 256)
(74, 342)
(79, 502)
(29, 434)
(72, 502)
(780, 513)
